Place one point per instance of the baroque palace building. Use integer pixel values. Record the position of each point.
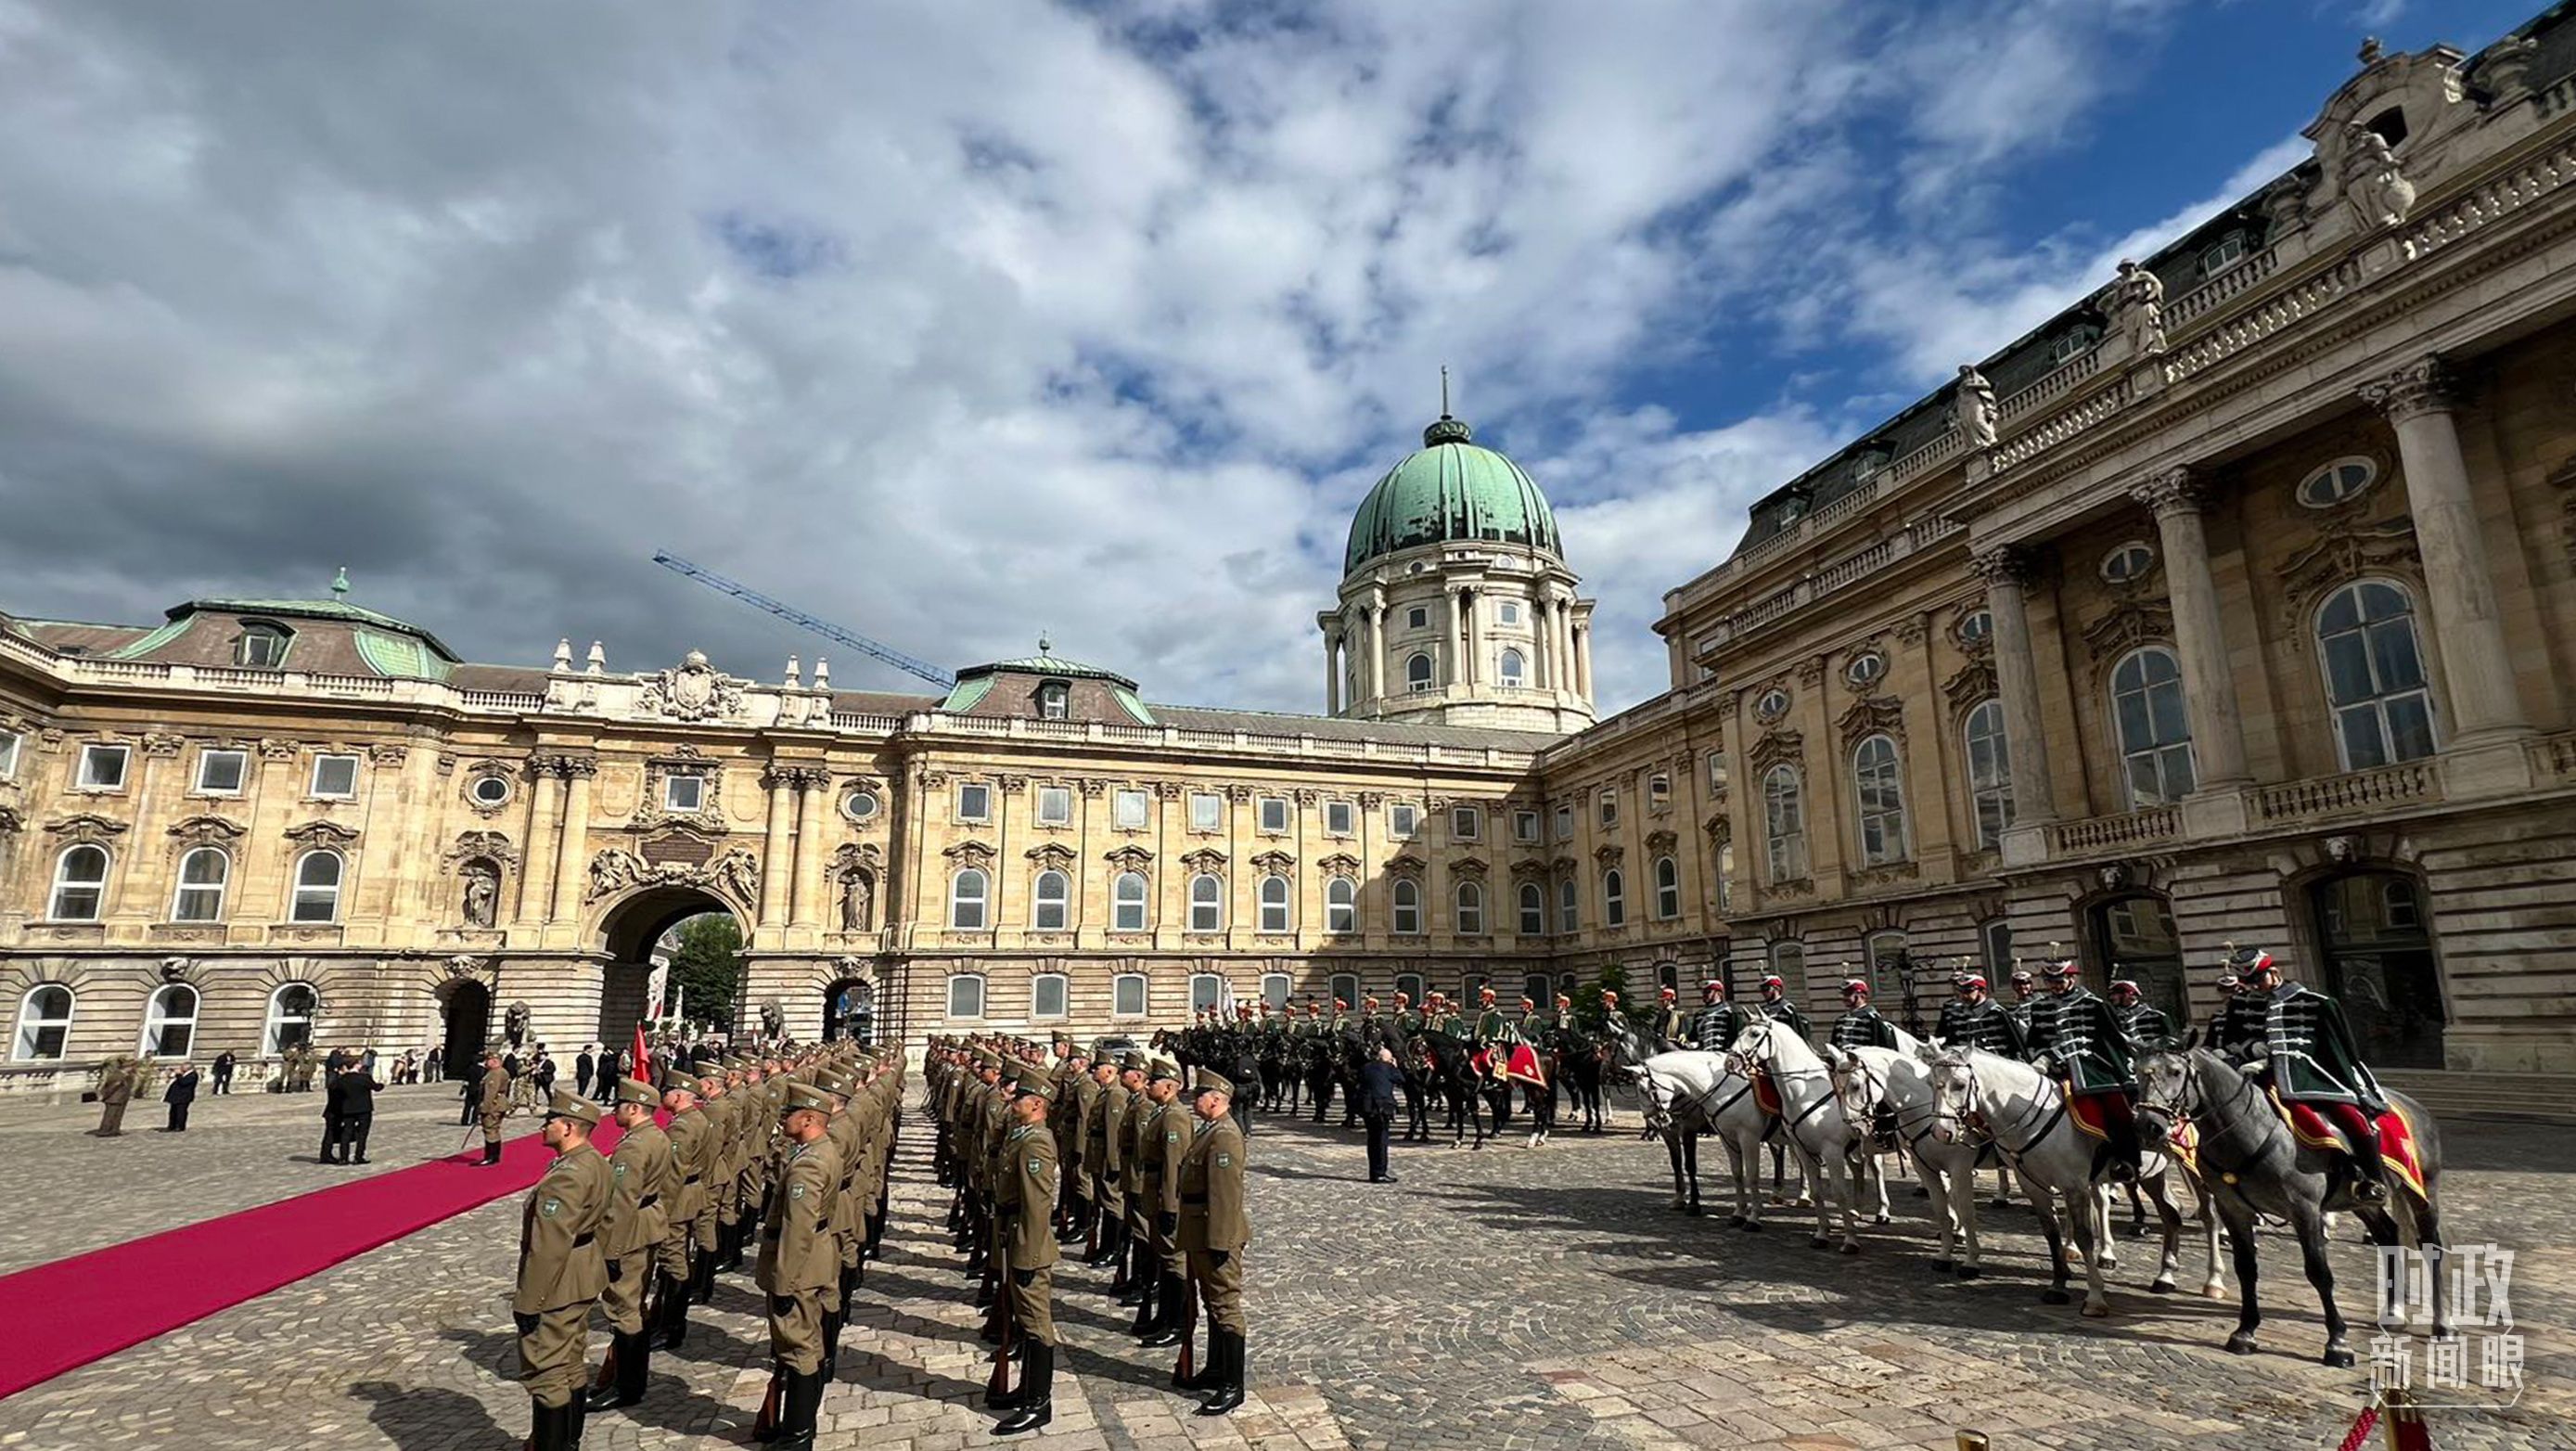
(2237, 602)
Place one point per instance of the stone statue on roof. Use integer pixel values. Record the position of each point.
(1972, 406)
(2373, 178)
(2136, 303)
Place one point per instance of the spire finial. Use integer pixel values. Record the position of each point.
(1046, 642)
(340, 584)
(1444, 390)
(1447, 429)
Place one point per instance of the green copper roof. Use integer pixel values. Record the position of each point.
(169, 630)
(330, 609)
(401, 656)
(963, 696)
(1452, 491)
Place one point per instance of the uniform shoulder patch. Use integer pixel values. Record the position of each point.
(1222, 1160)
(549, 1209)
(616, 1170)
(795, 1191)
(1171, 1136)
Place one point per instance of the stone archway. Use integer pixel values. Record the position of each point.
(850, 1010)
(628, 931)
(465, 1015)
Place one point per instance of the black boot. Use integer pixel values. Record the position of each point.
(621, 1376)
(705, 1272)
(1226, 1393)
(1170, 1328)
(1209, 1373)
(671, 1314)
(491, 1155)
(1143, 1294)
(1037, 1393)
(549, 1427)
(799, 1399)
(578, 1411)
(1113, 1251)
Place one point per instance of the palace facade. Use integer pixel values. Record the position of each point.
(2237, 602)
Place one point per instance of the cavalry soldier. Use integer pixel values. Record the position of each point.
(1719, 1022)
(1026, 1203)
(1776, 1006)
(1492, 1029)
(643, 1188)
(1672, 1025)
(1102, 1101)
(494, 1105)
(1136, 1235)
(1860, 1026)
(2145, 1024)
(2076, 1033)
(1213, 1232)
(1167, 1139)
(1383, 1029)
(1437, 1016)
(691, 1150)
(1535, 1025)
(1974, 1019)
(797, 1265)
(2230, 988)
(2313, 1059)
(562, 1269)
(2025, 1001)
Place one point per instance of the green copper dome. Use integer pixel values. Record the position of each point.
(1450, 492)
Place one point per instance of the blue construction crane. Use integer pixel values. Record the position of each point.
(824, 628)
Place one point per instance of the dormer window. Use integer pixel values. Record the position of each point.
(1055, 700)
(2073, 344)
(260, 645)
(2226, 252)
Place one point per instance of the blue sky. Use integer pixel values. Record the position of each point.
(953, 323)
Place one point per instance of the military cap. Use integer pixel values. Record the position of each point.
(838, 1083)
(1211, 1081)
(636, 1090)
(1162, 1067)
(1136, 1060)
(1061, 1037)
(1013, 1070)
(802, 1096)
(1037, 1083)
(987, 1058)
(572, 1105)
(679, 1081)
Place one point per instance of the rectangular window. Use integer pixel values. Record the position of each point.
(1609, 804)
(1055, 805)
(219, 773)
(974, 802)
(102, 768)
(1128, 997)
(1659, 790)
(1511, 612)
(966, 996)
(1402, 820)
(1131, 810)
(1207, 811)
(335, 777)
(1417, 618)
(684, 793)
(1338, 818)
(1466, 823)
(9, 755)
(1565, 822)
(1052, 702)
(1274, 814)
(1716, 774)
(1047, 995)
(1525, 826)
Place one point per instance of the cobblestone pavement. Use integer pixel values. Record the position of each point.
(1504, 1299)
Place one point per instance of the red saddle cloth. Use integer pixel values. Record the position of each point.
(2087, 1111)
(1521, 1067)
(1766, 1094)
(2397, 1147)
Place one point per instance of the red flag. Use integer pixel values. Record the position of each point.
(643, 1065)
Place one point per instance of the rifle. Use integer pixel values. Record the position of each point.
(998, 1384)
(1187, 1368)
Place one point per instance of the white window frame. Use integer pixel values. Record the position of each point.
(1466, 823)
(1512, 670)
(1726, 879)
(1274, 817)
(672, 793)
(332, 758)
(1865, 669)
(1275, 989)
(1055, 700)
(1404, 907)
(96, 752)
(1411, 985)
(10, 744)
(306, 899)
(2376, 704)
(1061, 902)
(1343, 987)
(1605, 808)
(1055, 806)
(1533, 909)
(2132, 559)
(1207, 902)
(1470, 908)
(26, 1045)
(1131, 810)
(1668, 889)
(240, 761)
(1121, 986)
(1565, 821)
(1341, 906)
(1064, 996)
(183, 889)
(1341, 818)
(1122, 902)
(1421, 675)
(2223, 255)
(1878, 799)
(276, 1019)
(2157, 755)
(1207, 812)
(961, 900)
(1784, 823)
(159, 1020)
(2333, 472)
(1207, 990)
(474, 792)
(262, 630)
(965, 979)
(974, 801)
(1971, 632)
(1526, 826)
(65, 882)
(1403, 820)
(1614, 898)
(1569, 906)
(1275, 902)
(1659, 790)
(1989, 765)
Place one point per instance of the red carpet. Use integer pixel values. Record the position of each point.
(73, 1311)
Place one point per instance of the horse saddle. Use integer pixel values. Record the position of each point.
(2310, 1125)
(1766, 1094)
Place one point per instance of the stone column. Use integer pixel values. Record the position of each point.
(805, 891)
(1470, 667)
(572, 860)
(1454, 637)
(775, 848)
(2208, 681)
(1332, 671)
(2009, 572)
(1583, 658)
(536, 874)
(1561, 640)
(1377, 649)
(2418, 401)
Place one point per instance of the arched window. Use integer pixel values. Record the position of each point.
(1207, 990)
(1274, 904)
(1274, 990)
(1882, 801)
(1569, 910)
(317, 887)
(2383, 709)
(2155, 738)
(966, 995)
(1207, 903)
(1048, 908)
(1471, 909)
(1726, 878)
(1784, 820)
(1127, 995)
(290, 1018)
(1417, 671)
(967, 894)
(1668, 888)
(1048, 995)
(1533, 910)
(44, 1023)
(80, 885)
(200, 896)
(1614, 898)
(1989, 771)
(1410, 984)
(1346, 989)
(1127, 903)
(169, 1022)
(1513, 670)
(1341, 905)
(1407, 896)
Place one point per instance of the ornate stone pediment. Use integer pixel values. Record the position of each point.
(1468, 869)
(1971, 683)
(1564, 866)
(88, 826)
(971, 854)
(692, 690)
(207, 831)
(1129, 858)
(856, 857)
(1340, 864)
(315, 834)
(1720, 829)
(689, 762)
(1406, 864)
(1276, 864)
(2341, 556)
(1609, 854)
(1205, 859)
(1661, 842)
(471, 845)
(2126, 626)
(1051, 855)
(1529, 869)
(1776, 747)
(465, 965)
(736, 874)
(1875, 715)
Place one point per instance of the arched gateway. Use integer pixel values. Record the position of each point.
(628, 930)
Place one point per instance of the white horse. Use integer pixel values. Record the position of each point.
(1869, 1079)
(1688, 1093)
(2024, 1114)
(1826, 1143)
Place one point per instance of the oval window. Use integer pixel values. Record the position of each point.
(1867, 668)
(2128, 562)
(2343, 479)
(1773, 705)
(1976, 626)
(491, 790)
(859, 805)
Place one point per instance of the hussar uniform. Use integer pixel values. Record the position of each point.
(562, 1269)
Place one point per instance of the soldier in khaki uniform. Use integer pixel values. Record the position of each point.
(709, 1230)
(1067, 1121)
(116, 1079)
(797, 1264)
(1025, 1184)
(844, 1133)
(1214, 1231)
(1167, 1135)
(562, 1269)
(692, 1146)
(494, 1106)
(647, 1188)
(1103, 1106)
(1136, 1233)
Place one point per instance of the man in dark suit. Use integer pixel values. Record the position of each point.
(349, 1112)
(582, 1063)
(1378, 1082)
(224, 1071)
(179, 1095)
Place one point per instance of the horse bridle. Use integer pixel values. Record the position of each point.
(1975, 1118)
(1772, 1066)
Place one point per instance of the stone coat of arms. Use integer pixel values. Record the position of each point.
(692, 690)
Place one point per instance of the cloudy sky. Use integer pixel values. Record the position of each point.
(955, 320)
